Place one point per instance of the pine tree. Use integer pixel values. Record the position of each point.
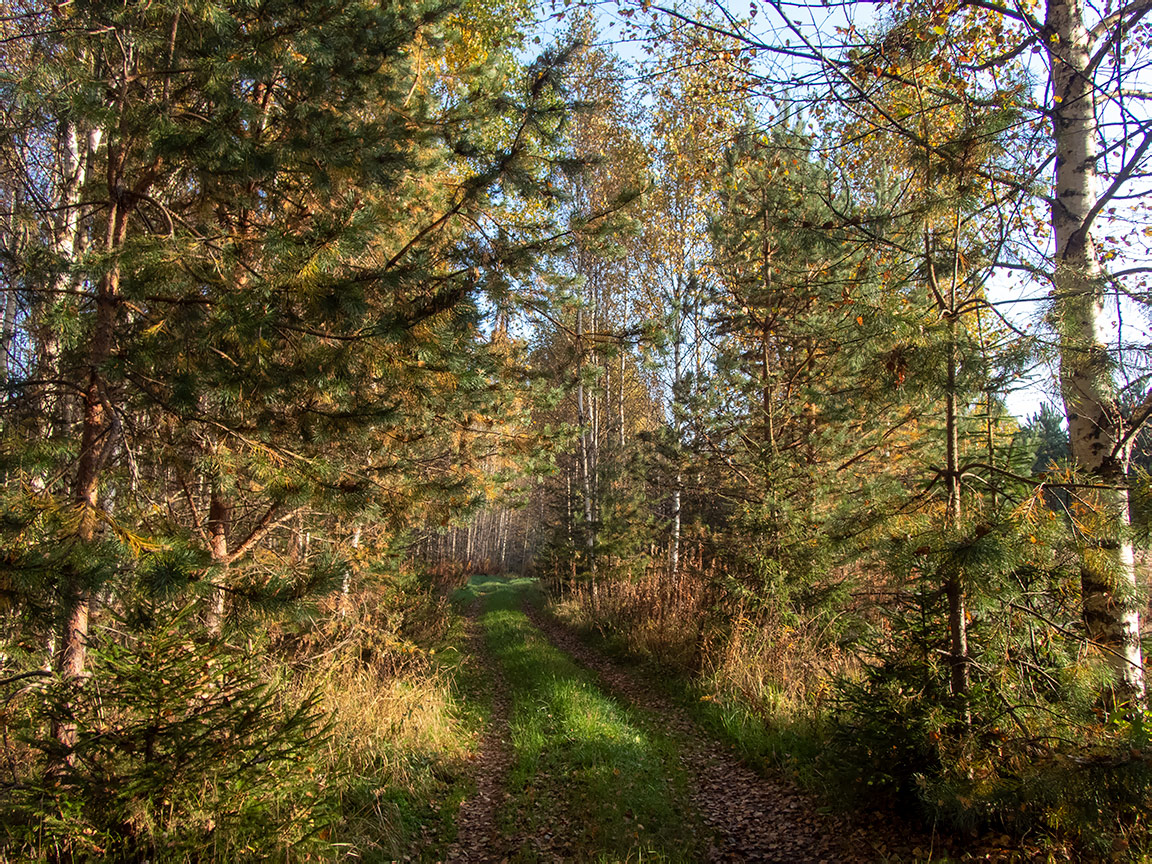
(290, 222)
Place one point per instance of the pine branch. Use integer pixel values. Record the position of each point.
(267, 523)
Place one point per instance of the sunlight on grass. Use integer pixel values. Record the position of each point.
(761, 686)
(399, 737)
(590, 780)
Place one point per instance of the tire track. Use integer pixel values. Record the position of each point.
(477, 836)
(754, 818)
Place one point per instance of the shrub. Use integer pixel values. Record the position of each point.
(186, 749)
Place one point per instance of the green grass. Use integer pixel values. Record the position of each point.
(782, 743)
(794, 746)
(591, 779)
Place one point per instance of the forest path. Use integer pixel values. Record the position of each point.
(476, 836)
(600, 767)
(587, 779)
(753, 817)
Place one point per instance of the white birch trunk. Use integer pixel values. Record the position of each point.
(585, 447)
(677, 359)
(219, 525)
(76, 151)
(346, 581)
(1095, 425)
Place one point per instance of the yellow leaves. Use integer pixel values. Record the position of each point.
(136, 543)
(73, 516)
(1029, 510)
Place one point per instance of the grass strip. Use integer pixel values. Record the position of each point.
(778, 741)
(591, 779)
(407, 712)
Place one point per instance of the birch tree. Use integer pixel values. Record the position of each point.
(1083, 144)
(1087, 59)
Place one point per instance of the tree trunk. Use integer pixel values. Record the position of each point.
(7, 333)
(953, 584)
(949, 307)
(96, 441)
(76, 150)
(620, 369)
(219, 526)
(585, 448)
(677, 359)
(1095, 424)
(620, 396)
(504, 518)
(346, 580)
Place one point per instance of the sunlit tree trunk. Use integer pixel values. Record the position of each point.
(96, 442)
(1095, 423)
(346, 580)
(219, 525)
(585, 449)
(7, 335)
(954, 585)
(954, 591)
(677, 359)
(76, 150)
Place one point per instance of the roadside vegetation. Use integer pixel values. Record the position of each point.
(864, 733)
(346, 734)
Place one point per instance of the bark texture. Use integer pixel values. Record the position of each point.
(1095, 423)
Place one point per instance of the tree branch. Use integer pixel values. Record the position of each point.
(266, 524)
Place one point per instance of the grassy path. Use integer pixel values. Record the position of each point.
(601, 766)
(590, 779)
(753, 817)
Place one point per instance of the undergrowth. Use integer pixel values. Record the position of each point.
(342, 735)
(756, 684)
(390, 674)
(862, 716)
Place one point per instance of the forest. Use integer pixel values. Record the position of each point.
(514, 431)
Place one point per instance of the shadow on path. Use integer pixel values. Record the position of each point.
(477, 837)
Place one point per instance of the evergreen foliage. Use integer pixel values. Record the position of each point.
(253, 254)
(298, 296)
(184, 749)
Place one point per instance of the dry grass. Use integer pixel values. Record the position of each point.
(377, 669)
(656, 615)
(755, 658)
(398, 739)
(775, 668)
(387, 725)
